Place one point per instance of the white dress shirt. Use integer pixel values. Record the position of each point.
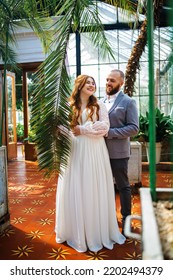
(110, 100)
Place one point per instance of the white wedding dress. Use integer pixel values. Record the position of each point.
(85, 201)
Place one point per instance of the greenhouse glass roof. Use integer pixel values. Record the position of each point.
(122, 39)
(111, 15)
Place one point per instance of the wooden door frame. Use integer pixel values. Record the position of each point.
(11, 146)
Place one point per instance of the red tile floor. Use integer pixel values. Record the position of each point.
(31, 235)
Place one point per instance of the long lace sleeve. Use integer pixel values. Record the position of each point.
(103, 117)
(98, 128)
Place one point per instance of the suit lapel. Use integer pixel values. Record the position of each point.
(116, 102)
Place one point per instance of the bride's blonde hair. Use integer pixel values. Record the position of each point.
(75, 101)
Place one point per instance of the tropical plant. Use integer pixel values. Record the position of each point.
(50, 107)
(134, 8)
(133, 63)
(14, 13)
(20, 132)
(164, 126)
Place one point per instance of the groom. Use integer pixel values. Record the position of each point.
(124, 123)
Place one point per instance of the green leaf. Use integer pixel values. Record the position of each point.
(50, 109)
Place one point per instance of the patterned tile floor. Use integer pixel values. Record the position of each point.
(31, 236)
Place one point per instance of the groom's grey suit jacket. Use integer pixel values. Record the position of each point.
(124, 123)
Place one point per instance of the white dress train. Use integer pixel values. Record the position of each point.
(85, 200)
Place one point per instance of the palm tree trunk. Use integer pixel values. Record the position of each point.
(133, 62)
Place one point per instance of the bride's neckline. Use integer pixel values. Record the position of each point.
(84, 109)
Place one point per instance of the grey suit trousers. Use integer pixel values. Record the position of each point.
(120, 173)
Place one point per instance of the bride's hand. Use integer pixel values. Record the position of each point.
(76, 130)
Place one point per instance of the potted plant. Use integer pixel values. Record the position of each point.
(30, 147)
(164, 130)
(20, 132)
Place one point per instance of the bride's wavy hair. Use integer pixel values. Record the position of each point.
(75, 101)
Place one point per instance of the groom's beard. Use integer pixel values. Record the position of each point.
(113, 91)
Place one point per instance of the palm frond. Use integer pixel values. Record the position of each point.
(10, 55)
(129, 7)
(14, 13)
(90, 22)
(50, 101)
(18, 13)
(50, 107)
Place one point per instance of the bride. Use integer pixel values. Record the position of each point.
(85, 200)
